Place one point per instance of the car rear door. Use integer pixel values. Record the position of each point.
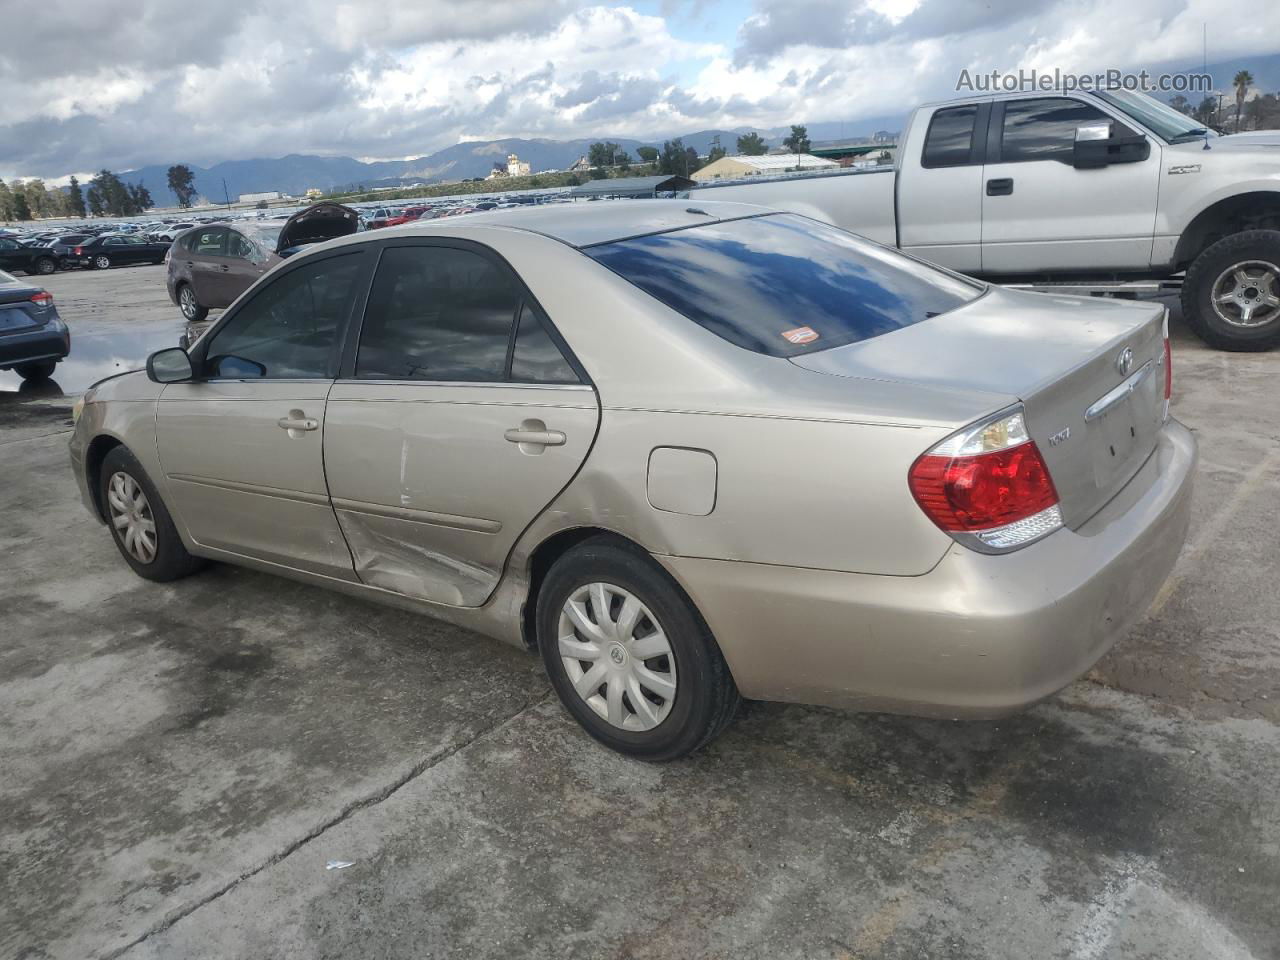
(205, 250)
(241, 447)
(459, 416)
(1041, 214)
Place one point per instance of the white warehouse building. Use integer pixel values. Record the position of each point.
(734, 168)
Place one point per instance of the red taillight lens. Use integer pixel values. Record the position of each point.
(44, 298)
(78, 251)
(964, 494)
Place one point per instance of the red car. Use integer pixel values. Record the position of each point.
(408, 215)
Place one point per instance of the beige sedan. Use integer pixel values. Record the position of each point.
(692, 454)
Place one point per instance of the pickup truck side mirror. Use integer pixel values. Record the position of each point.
(1097, 145)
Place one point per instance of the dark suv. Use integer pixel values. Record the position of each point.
(213, 264)
(14, 256)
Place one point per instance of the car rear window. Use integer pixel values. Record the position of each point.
(784, 285)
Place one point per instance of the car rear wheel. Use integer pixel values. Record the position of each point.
(140, 523)
(101, 262)
(1231, 293)
(189, 306)
(629, 655)
(46, 266)
(40, 370)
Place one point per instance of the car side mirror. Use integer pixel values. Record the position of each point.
(171, 365)
(1097, 145)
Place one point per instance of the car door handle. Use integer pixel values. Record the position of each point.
(535, 436)
(1000, 187)
(225, 268)
(297, 421)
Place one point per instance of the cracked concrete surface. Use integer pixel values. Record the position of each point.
(179, 763)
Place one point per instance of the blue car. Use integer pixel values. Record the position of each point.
(33, 337)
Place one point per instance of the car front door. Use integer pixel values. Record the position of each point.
(241, 446)
(207, 265)
(940, 204)
(1041, 214)
(459, 417)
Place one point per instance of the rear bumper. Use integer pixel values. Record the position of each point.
(52, 341)
(978, 636)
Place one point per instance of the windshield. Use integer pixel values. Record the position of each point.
(784, 285)
(1161, 118)
(265, 235)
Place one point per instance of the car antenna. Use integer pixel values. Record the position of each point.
(696, 210)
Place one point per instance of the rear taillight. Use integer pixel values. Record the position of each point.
(1168, 367)
(988, 486)
(42, 299)
(78, 251)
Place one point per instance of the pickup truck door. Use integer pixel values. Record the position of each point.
(939, 198)
(1040, 214)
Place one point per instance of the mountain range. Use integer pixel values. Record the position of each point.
(297, 173)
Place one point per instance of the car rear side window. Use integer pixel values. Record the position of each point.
(535, 357)
(949, 142)
(437, 313)
(211, 243)
(784, 285)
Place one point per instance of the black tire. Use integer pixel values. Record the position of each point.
(1262, 246)
(45, 266)
(171, 561)
(706, 697)
(101, 262)
(39, 370)
(190, 308)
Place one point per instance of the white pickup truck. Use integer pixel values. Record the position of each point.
(1100, 192)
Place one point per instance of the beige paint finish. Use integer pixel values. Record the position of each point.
(429, 490)
(244, 482)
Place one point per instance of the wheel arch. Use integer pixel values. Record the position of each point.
(1253, 210)
(94, 455)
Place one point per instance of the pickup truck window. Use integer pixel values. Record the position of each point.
(784, 285)
(950, 138)
(1044, 129)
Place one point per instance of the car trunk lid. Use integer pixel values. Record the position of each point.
(318, 222)
(18, 311)
(1095, 418)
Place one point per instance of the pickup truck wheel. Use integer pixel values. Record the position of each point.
(1231, 293)
(189, 306)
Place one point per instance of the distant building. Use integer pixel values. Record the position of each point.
(255, 197)
(314, 193)
(516, 167)
(735, 168)
(580, 166)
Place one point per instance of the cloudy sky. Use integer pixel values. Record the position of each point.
(122, 85)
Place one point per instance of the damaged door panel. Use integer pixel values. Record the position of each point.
(433, 483)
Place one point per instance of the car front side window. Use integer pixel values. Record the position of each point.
(1044, 129)
(290, 329)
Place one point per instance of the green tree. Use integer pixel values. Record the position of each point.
(677, 159)
(622, 160)
(716, 151)
(647, 154)
(1242, 82)
(139, 198)
(75, 199)
(21, 209)
(182, 184)
(38, 200)
(1180, 103)
(750, 145)
(798, 141)
(97, 205)
(6, 202)
(1204, 112)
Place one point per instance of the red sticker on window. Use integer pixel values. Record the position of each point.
(801, 335)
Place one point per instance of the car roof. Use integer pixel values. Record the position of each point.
(586, 223)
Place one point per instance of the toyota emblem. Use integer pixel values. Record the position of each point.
(1124, 362)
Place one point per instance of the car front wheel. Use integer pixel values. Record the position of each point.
(1231, 293)
(140, 523)
(101, 262)
(629, 655)
(189, 306)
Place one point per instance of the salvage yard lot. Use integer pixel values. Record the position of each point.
(179, 763)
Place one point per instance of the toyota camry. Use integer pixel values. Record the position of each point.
(689, 454)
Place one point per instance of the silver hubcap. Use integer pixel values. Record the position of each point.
(131, 517)
(617, 656)
(188, 302)
(1247, 294)
(103, 263)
